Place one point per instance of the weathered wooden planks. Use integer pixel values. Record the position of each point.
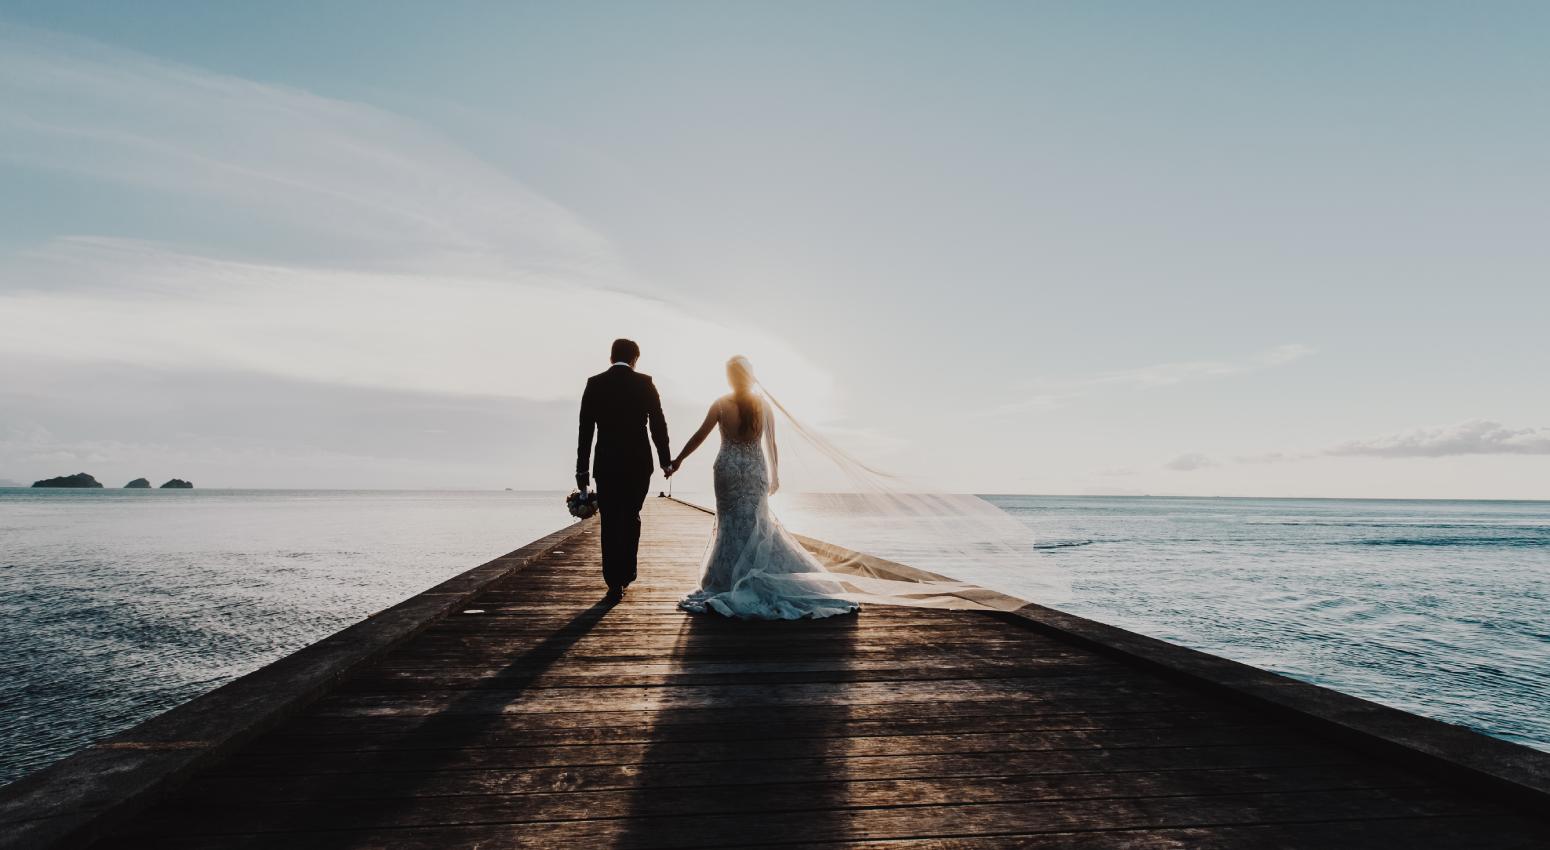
(552, 721)
(79, 797)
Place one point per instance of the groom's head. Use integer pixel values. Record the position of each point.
(624, 351)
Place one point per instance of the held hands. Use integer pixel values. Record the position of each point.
(670, 467)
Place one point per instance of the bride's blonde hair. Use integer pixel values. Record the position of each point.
(740, 376)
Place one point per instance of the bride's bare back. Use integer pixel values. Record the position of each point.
(726, 415)
(729, 416)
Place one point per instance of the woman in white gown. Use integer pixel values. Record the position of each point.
(755, 569)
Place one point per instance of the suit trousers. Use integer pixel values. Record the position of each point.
(619, 501)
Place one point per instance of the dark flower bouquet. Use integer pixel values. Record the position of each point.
(581, 505)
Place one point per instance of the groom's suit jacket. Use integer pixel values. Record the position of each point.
(620, 403)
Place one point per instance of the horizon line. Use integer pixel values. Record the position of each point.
(1546, 500)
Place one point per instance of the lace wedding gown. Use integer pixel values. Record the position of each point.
(755, 569)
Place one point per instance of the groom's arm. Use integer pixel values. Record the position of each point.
(658, 424)
(584, 436)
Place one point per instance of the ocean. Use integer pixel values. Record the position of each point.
(116, 605)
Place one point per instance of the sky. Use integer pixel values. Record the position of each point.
(1068, 248)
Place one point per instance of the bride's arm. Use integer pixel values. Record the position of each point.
(771, 449)
(711, 416)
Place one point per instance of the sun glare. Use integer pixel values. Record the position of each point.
(691, 368)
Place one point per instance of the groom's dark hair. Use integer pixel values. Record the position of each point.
(624, 351)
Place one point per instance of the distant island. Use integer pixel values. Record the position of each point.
(80, 479)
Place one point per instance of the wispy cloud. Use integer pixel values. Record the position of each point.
(1189, 462)
(1270, 457)
(217, 463)
(1051, 393)
(430, 333)
(1169, 374)
(280, 171)
(334, 242)
(1475, 437)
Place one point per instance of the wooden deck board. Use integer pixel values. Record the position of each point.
(551, 720)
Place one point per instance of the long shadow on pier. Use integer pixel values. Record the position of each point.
(442, 742)
(766, 739)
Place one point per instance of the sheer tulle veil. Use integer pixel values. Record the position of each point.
(965, 551)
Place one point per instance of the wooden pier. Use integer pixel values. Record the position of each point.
(524, 712)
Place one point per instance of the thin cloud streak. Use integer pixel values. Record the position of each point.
(444, 274)
(1169, 374)
(320, 174)
(446, 334)
(1474, 437)
(1059, 393)
(1189, 462)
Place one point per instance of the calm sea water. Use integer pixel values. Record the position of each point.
(115, 605)
(1437, 607)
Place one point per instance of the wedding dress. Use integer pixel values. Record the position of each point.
(755, 569)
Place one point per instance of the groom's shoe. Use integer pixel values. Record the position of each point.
(615, 594)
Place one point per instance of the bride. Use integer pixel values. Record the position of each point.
(755, 569)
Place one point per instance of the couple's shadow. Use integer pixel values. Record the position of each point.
(748, 739)
(742, 735)
(402, 768)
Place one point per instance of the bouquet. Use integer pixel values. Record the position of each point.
(581, 505)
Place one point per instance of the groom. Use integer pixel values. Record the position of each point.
(620, 403)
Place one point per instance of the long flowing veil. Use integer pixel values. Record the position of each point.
(942, 549)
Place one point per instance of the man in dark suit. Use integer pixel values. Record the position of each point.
(621, 403)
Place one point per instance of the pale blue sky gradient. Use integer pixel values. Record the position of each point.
(1023, 247)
